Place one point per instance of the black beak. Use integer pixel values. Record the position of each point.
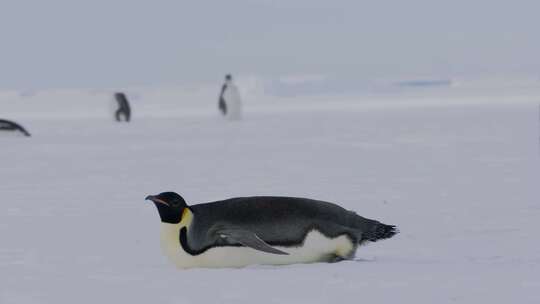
(154, 199)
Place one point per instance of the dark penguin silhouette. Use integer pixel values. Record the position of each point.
(261, 230)
(123, 107)
(9, 125)
(222, 105)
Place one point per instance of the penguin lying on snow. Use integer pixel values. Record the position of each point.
(9, 125)
(261, 230)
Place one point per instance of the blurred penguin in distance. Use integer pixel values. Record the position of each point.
(8, 125)
(230, 103)
(123, 107)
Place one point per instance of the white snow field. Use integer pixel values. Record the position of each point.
(458, 174)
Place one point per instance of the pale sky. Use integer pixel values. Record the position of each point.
(107, 43)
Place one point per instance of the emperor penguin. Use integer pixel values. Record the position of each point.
(230, 103)
(9, 125)
(123, 107)
(269, 230)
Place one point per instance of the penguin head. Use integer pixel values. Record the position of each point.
(170, 206)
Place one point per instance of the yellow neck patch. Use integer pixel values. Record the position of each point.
(187, 217)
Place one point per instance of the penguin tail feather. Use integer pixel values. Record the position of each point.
(380, 232)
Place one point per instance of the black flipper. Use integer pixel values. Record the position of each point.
(248, 239)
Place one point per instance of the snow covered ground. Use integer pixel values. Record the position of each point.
(459, 178)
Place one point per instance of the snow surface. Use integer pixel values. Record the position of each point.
(458, 175)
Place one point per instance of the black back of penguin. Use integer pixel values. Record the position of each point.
(279, 221)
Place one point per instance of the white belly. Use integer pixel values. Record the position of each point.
(316, 248)
(234, 103)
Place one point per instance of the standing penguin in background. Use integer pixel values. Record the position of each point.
(123, 107)
(230, 103)
(261, 230)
